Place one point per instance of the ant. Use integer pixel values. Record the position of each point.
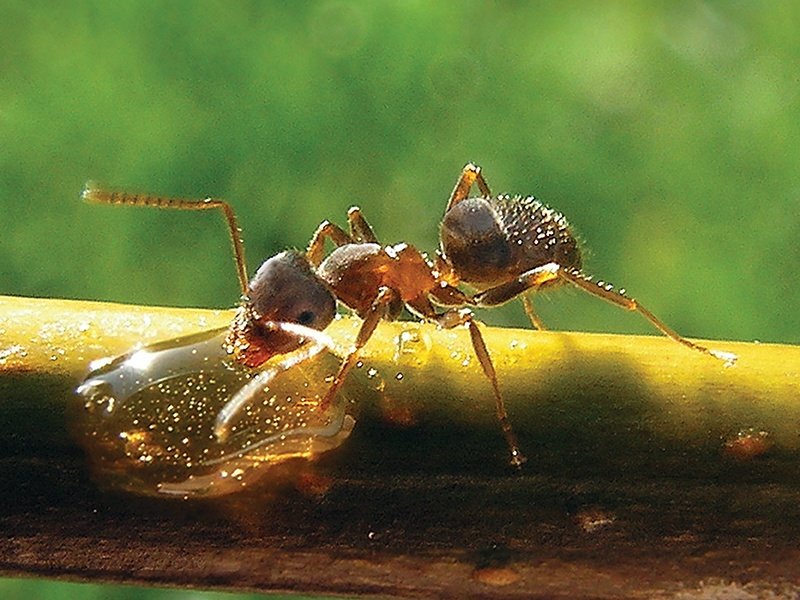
(503, 246)
(508, 246)
(294, 289)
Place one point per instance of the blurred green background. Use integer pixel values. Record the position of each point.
(668, 132)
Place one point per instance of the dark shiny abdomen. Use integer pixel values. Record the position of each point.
(489, 241)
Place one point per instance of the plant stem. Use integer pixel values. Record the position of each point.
(643, 456)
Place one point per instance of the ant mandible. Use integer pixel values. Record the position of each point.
(292, 287)
(507, 246)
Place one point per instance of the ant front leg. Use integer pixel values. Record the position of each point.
(315, 342)
(360, 230)
(471, 174)
(385, 298)
(325, 231)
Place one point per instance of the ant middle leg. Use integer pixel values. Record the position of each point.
(98, 196)
(470, 174)
(463, 316)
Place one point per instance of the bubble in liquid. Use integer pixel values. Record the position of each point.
(146, 419)
(413, 344)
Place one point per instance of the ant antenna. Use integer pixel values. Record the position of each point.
(98, 196)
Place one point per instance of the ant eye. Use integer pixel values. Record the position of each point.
(306, 317)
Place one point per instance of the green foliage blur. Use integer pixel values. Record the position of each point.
(27, 589)
(667, 132)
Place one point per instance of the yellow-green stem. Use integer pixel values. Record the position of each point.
(620, 401)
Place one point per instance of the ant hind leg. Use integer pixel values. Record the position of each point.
(551, 272)
(606, 292)
(527, 303)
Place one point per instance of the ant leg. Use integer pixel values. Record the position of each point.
(453, 318)
(530, 280)
(445, 272)
(317, 342)
(91, 194)
(527, 302)
(360, 230)
(470, 174)
(606, 292)
(448, 295)
(376, 312)
(551, 272)
(325, 230)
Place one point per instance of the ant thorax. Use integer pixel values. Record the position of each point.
(356, 273)
(489, 241)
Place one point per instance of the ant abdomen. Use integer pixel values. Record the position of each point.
(489, 241)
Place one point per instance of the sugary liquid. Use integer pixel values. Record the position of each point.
(146, 419)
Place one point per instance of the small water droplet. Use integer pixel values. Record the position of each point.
(411, 342)
(729, 358)
(399, 376)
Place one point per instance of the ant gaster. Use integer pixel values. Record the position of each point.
(506, 246)
(292, 287)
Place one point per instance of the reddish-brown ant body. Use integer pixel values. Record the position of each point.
(291, 287)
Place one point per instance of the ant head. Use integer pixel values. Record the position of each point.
(286, 289)
(473, 241)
